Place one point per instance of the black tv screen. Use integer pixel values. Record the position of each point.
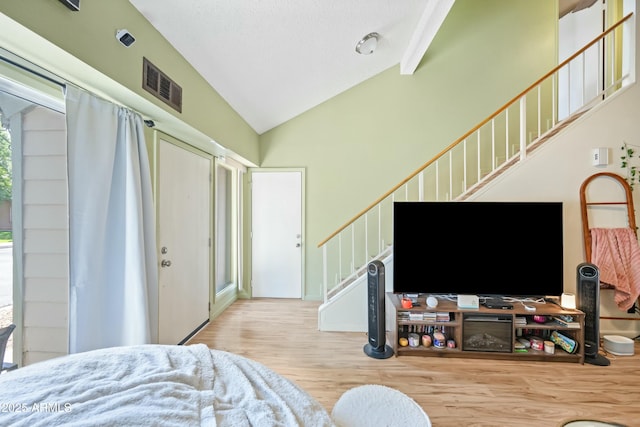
(478, 248)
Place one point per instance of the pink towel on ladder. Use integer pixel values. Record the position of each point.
(616, 253)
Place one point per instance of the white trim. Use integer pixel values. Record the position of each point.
(430, 22)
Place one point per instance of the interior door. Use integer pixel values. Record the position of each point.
(184, 240)
(276, 227)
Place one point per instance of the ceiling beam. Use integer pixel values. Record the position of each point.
(432, 18)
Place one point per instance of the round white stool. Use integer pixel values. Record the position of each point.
(377, 405)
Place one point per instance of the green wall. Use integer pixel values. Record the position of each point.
(361, 143)
(89, 35)
(355, 146)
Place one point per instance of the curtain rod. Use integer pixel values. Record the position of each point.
(63, 84)
(32, 71)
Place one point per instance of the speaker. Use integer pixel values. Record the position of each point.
(376, 347)
(588, 301)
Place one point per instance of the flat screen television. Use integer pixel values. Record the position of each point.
(478, 248)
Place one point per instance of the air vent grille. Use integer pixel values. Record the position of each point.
(157, 83)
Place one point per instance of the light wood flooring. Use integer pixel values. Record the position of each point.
(283, 335)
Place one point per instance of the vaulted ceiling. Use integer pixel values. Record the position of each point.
(273, 60)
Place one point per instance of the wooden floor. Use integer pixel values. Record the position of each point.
(284, 336)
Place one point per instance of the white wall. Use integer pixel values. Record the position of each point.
(349, 311)
(556, 171)
(575, 30)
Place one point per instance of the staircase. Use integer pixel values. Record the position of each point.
(500, 142)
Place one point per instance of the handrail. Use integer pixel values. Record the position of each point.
(474, 129)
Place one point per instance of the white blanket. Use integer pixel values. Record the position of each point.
(154, 385)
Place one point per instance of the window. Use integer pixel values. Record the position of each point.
(226, 226)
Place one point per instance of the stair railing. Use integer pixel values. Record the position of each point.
(498, 142)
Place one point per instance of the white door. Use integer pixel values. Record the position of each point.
(276, 227)
(184, 236)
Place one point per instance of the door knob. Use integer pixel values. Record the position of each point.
(298, 245)
(165, 263)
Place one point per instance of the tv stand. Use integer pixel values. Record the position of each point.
(486, 333)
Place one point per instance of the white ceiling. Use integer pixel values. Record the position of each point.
(271, 60)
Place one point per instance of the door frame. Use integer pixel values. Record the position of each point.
(248, 290)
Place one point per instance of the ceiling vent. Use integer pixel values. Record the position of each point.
(161, 86)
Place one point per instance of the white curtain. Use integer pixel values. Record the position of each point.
(112, 249)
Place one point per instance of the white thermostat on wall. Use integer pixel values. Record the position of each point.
(600, 156)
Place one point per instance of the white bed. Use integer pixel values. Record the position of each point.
(154, 385)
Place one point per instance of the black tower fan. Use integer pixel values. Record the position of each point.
(588, 301)
(376, 347)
